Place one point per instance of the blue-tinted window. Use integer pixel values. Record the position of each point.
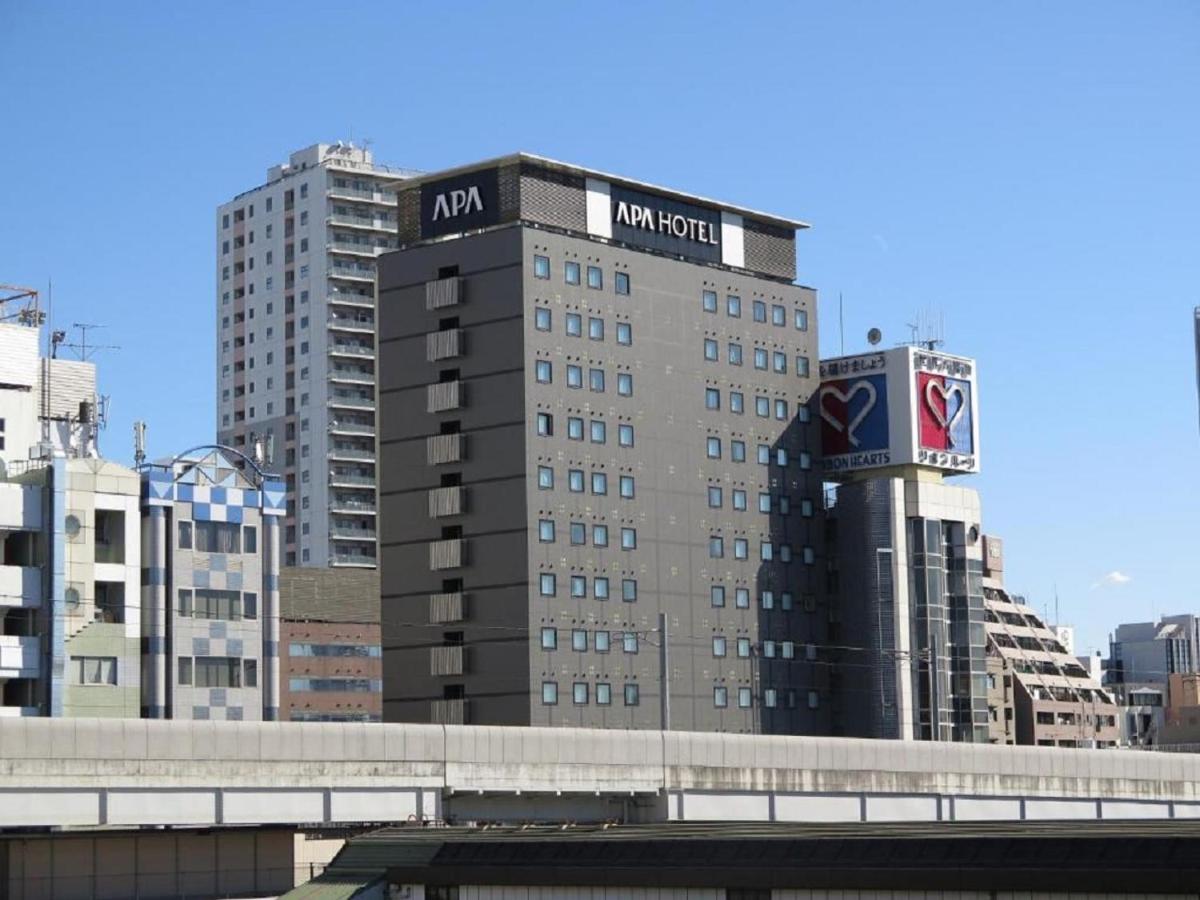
(595, 277)
(574, 376)
(544, 372)
(624, 333)
(625, 384)
(733, 306)
(541, 319)
(575, 480)
(541, 267)
(717, 595)
(595, 328)
(571, 272)
(574, 325)
(709, 299)
(545, 477)
(575, 428)
(621, 282)
(599, 483)
(546, 584)
(546, 530)
(598, 431)
(549, 693)
(629, 590)
(625, 435)
(760, 311)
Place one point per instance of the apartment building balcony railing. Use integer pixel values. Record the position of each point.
(356, 248)
(360, 222)
(336, 452)
(348, 298)
(359, 273)
(340, 479)
(351, 428)
(351, 401)
(445, 448)
(346, 348)
(388, 197)
(351, 558)
(350, 376)
(446, 660)
(351, 323)
(345, 532)
(351, 506)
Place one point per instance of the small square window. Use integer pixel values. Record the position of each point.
(598, 431)
(546, 531)
(709, 301)
(546, 584)
(541, 267)
(579, 590)
(621, 282)
(575, 481)
(545, 478)
(733, 306)
(599, 535)
(595, 328)
(549, 691)
(628, 538)
(629, 590)
(600, 587)
(571, 272)
(595, 278)
(625, 435)
(627, 487)
(574, 325)
(625, 384)
(542, 319)
(716, 595)
(543, 371)
(549, 638)
(624, 333)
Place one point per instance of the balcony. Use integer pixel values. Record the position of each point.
(20, 586)
(446, 501)
(443, 344)
(336, 452)
(443, 292)
(351, 401)
(444, 608)
(357, 273)
(361, 221)
(350, 376)
(20, 657)
(348, 348)
(449, 554)
(351, 479)
(344, 427)
(351, 558)
(349, 506)
(388, 197)
(444, 395)
(346, 298)
(446, 660)
(348, 533)
(359, 323)
(20, 504)
(448, 712)
(353, 247)
(445, 448)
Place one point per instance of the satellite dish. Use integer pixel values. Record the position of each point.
(874, 336)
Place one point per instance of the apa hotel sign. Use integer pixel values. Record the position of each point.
(460, 203)
(665, 224)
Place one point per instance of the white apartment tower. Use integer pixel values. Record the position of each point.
(296, 341)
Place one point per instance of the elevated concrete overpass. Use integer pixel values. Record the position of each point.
(137, 774)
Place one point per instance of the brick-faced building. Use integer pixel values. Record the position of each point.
(594, 411)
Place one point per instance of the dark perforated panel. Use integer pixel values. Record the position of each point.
(770, 249)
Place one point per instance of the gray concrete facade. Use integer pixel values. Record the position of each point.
(579, 436)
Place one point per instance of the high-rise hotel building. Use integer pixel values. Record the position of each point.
(595, 440)
(296, 341)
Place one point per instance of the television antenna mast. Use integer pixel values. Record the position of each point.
(83, 349)
(929, 330)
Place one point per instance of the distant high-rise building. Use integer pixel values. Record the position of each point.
(296, 341)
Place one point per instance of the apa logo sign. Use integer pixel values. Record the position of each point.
(854, 420)
(944, 413)
(457, 203)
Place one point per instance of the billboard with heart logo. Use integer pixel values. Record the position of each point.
(901, 407)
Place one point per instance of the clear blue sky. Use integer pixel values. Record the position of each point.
(1030, 170)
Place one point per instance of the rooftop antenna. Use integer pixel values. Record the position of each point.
(139, 444)
(841, 325)
(82, 349)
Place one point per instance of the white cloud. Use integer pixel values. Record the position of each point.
(1114, 578)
